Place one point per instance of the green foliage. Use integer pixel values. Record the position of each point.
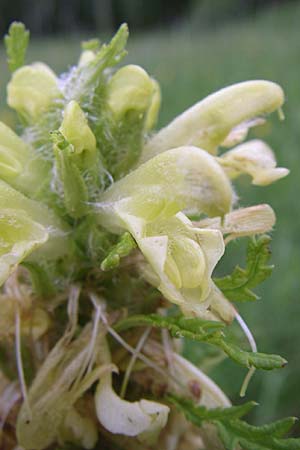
(91, 44)
(207, 331)
(85, 82)
(238, 286)
(74, 188)
(41, 281)
(234, 432)
(16, 43)
(125, 245)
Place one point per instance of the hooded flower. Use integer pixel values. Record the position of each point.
(19, 165)
(149, 203)
(209, 122)
(25, 226)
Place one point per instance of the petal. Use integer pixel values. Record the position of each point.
(254, 158)
(190, 261)
(20, 236)
(39, 214)
(208, 123)
(143, 418)
(19, 165)
(152, 114)
(186, 176)
(257, 219)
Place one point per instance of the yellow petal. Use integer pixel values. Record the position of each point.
(208, 123)
(190, 261)
(254, 158)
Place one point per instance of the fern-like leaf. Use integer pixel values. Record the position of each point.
(238, 285)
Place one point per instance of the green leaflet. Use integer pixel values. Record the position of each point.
(207, 331)
(16, 43)
(233, 431)
(251, 359)
(125, 245)
(238, 285)
(84, 79)
(179, 326)
(200, 414)
(74, 189)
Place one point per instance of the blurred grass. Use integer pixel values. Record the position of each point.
(190, 64)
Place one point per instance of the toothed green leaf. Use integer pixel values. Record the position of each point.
(233, 431)
(207, 331)
(16, 43)
(238, 286)
(251, 359)
(179, 326)
(82, 82)
(198, 415)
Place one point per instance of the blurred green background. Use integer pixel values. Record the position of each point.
(193, 50)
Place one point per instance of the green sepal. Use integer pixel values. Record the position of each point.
(125, 245)
(41, 282)
(239, 284)
(16, 43)
(74, 188)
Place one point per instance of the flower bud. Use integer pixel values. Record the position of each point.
(31, 90)
(76, 130)
(130, 88)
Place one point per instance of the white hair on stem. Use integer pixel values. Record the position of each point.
(20, 363)
(132, 361)
(253, 346)
(142, 357)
